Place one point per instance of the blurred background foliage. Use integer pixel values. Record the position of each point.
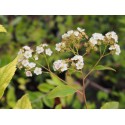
(101, 86)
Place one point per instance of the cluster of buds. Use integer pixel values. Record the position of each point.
(70, 39)
(94, 41)
(110, 39)
(28, 56)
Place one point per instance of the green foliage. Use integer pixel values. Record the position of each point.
(2, 29)
(36, 99)
(101, 67)
(11, 99)
(61, 91)
(59, 106)
(44, 87)
(56, 79)
(102, 95)
(23, 103)
(6, 74)
(110, 105)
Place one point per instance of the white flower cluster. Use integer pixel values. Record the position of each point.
(70, 43)
(112, 35)
(26, 51)
(72, 32)
(60, 46)
(37, 71)
(23, 62)
(60, 65)
(43, 48)
(78, 60)
(114, 47)
(95, 38)
(110, 39)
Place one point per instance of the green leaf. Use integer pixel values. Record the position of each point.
(23, 103)
(36, 99)
(59, 106)
(61, 91)
(56, 79)
(101, 67)
(48, 102)
(44, 87)
(102, 95)
(110, 105)
(6, 74)
(11, 99)
(2, 29)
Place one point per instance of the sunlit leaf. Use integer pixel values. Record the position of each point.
(48, 102)
(2, 29)
(11, 99)
(61, 91)
(101, 67)
(70, 81)
(44, 87)
(36, 99)
(23, 103)
(59, 106)
(6, 74)
(56, 79)
(110, 105)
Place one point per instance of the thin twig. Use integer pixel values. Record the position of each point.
(84, 95)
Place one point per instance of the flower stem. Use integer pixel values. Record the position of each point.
(93, 67)
(84, 95)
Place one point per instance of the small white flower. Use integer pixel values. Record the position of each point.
(76, 33)
(79, 65)
(70, 32)
(112, 35)
(57, 65)
(64, 36)
(98, 36)
(36, 57)
(39, 49)
(25, 63)
(93, 41)
(38, 71)
(80, 30)
(79, 61)
(64, 67)
(115, 47)
(28, 54)
(26, 47)
(77, 57)
(45, 45)
(118, 50)
(60, 65)
(32, 65)
(59, 46)
(48, 52)
(28, 74)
